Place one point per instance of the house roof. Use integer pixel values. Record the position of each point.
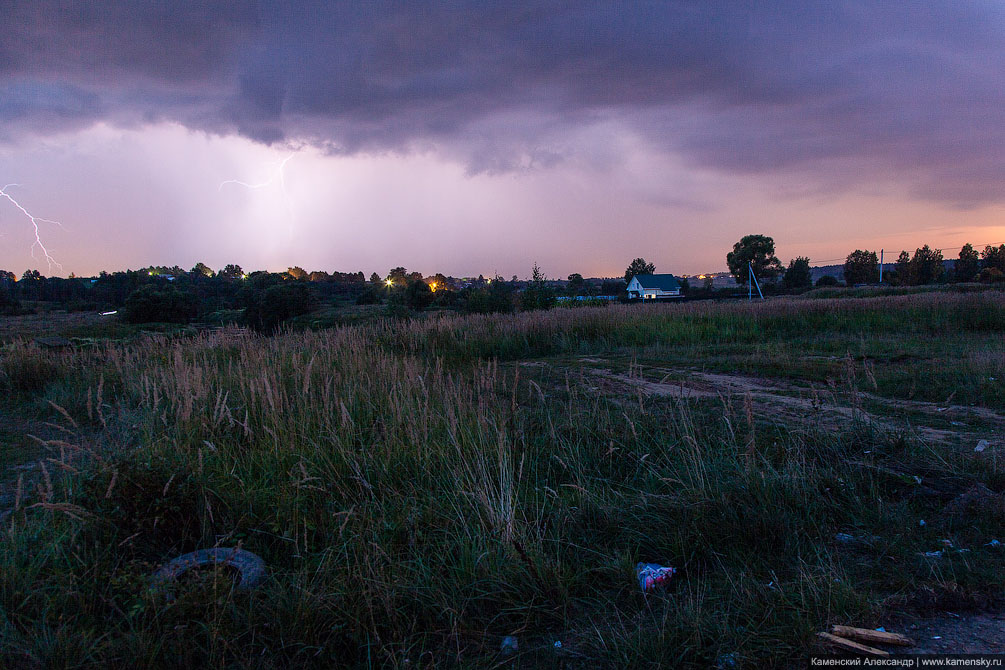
(662, 282)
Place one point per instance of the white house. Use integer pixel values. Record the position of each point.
(652, 287)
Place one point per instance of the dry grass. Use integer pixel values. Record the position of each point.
(416, 499)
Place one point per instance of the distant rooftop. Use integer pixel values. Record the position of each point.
(662, 282)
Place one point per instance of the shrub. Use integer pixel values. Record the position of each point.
(798, 273)
(418, 295)
(150, 303)
(991, 276)
(827, 280)
(496, 297)
(277, 304)
(369, 296)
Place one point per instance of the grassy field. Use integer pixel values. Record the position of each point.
(420, 489)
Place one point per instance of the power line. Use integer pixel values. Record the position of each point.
(975, 246)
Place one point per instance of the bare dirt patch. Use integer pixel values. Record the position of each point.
(958, 634)
(783, 399)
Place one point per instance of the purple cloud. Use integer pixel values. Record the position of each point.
(913, 92)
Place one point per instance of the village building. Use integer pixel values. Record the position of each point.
(653, 287)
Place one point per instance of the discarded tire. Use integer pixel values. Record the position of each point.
(250, 567)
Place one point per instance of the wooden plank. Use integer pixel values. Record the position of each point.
(848, 645)
(875, 636)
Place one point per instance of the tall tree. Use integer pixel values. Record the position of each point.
(861, 267)
(639, 267)
(537, 295)
(927, 265)
(439, 282)
(759, 252)
(994, 257)
(967, 265)
(231, 271)
(398, 276)
(576, 283)
(201, 269)
(903, 269)
(798, 273)
(418, 295)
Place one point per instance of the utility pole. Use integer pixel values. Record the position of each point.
(880, 266)
(752, 283)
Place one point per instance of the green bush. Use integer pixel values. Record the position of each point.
(149, 304)
(827, 280)
(418, 295)
(369, 296)
(278, 304)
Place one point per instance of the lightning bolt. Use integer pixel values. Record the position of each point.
(279, 174)
(34, 222)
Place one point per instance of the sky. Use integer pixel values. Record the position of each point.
(481, 137)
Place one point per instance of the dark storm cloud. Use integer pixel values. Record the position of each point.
(914, 91)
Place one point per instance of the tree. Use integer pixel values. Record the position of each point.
(30, 286)
(439, 282)
(278, 304)
(861, 267)
(296, 272)
(967, 265)
(827, 280)
(758, 251)
(903, 269)
(203, 270)
(231, 271)
(613, 287)
(495, 297)
(576, 283)
(798, 273)
(376, 280)
(398, 276)
(991, 276)
(639, 267)
(418, 295)
(8, 303)
(993, 258)
(369, 296)
(151, 303)
(927, 265)
(537, 295)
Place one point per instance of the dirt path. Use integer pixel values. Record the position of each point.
(778, 398)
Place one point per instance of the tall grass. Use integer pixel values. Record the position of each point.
(416, 499)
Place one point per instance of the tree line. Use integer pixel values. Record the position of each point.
(267, 299)
(755, 254)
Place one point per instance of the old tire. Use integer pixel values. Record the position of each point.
(249, 566)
